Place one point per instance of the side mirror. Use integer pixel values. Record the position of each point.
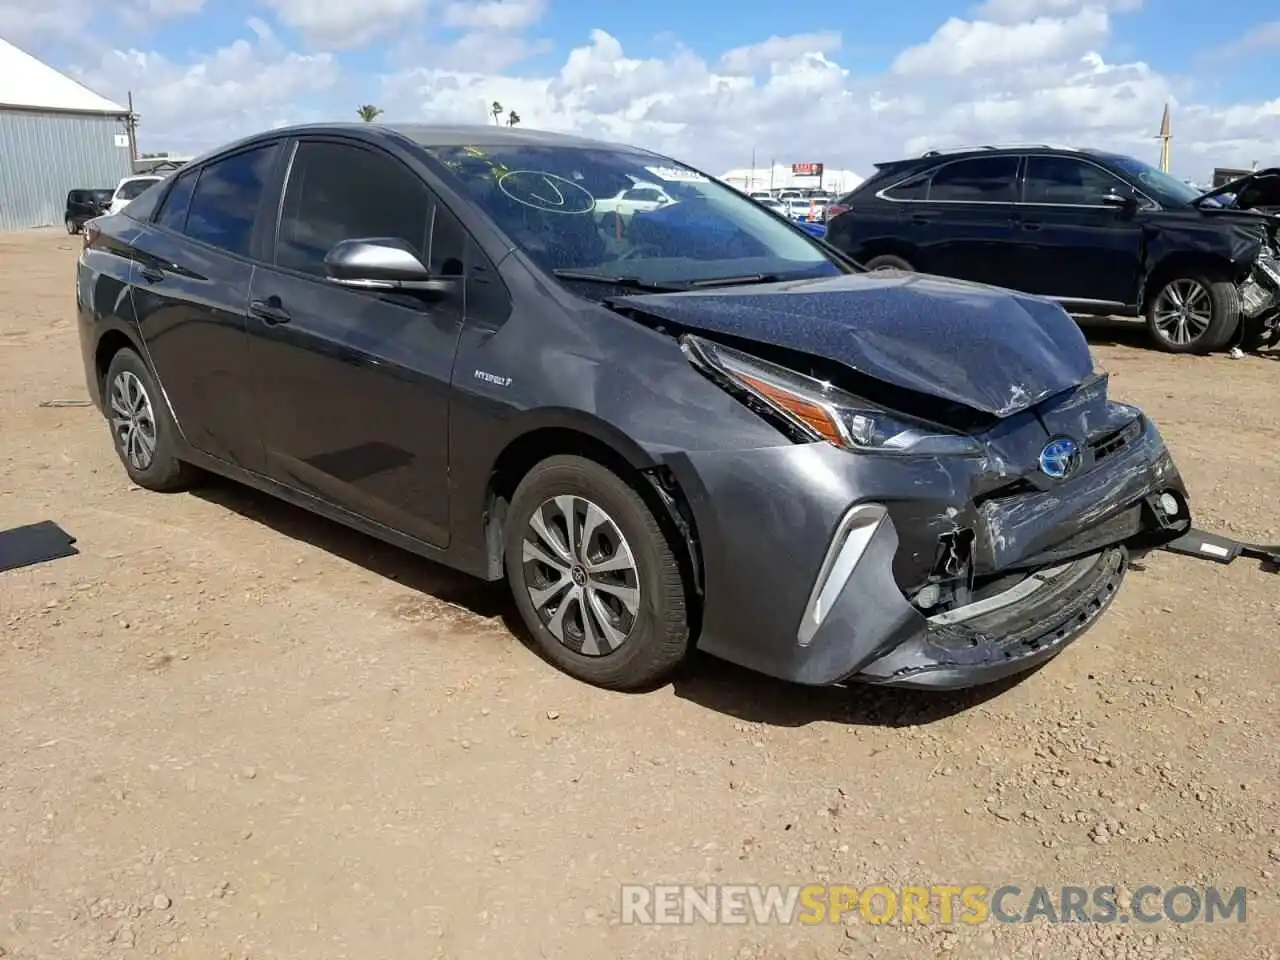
(382, 263)
(1113, 198)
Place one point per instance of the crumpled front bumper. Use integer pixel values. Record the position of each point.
(805, 550)
(1007, 634)
(1260, 299)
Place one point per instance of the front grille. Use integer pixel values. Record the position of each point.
(1007, 491)
(1114, 442)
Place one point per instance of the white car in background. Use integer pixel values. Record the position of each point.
(806, 208)
(640, 197)
(774, 204)
(129, 188)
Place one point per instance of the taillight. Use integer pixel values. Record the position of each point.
(835, 209)
(89, 233)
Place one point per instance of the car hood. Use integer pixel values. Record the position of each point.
(1258, 189)
(989, 349)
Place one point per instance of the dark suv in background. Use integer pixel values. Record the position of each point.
(1101, 233)
(84, 205)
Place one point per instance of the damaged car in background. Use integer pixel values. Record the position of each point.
(1258, 197)
(688, 426)
(1101, 233)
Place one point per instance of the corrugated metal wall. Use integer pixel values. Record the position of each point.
(44, 155)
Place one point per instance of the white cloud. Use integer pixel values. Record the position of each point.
(239, 88)
(171, 9)
(496, 15)
(77, 23)
(1016, 11)
(487, 53)
(784, 98)
(345, 24)
(1263, 37)
(960, 46)
(750, 59)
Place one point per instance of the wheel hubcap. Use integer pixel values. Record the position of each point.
(1183, 312)
(581, 575)
(132, 420)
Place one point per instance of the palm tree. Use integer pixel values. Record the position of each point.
(368, 112)
(496, 110)
(513, 118)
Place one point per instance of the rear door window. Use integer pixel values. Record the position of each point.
(976, 180)
(227, 195)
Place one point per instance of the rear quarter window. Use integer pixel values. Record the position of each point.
(913, 188)
(144, 202)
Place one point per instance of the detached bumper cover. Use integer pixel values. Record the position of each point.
(1060, 605)
(773, 524)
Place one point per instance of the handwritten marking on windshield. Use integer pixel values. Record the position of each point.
(531, 187)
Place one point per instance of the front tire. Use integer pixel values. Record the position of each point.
(72, 226)
(889, 262)
(594, 576)
(145, 435)
(1194, 314)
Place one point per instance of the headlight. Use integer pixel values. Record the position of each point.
(819, 411)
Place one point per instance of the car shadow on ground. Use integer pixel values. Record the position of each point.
(753, 698)
(1117, 332)
(424, 576)
(703, 680)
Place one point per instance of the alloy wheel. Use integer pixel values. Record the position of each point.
(1183, 312)
(581, 575)
(132, 420)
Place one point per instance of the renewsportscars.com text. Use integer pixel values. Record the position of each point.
(935, 904)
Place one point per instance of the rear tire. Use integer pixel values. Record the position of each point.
(146, 438)
(1194, 313)
(889, 262)
(608, 609)
(72, 226)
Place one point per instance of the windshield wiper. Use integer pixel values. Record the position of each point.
(630, 283)
(736, 281)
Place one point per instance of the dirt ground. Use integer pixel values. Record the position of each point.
(229, 729)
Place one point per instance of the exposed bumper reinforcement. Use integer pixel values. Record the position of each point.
(1008, 633)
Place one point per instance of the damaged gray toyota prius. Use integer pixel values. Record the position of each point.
(666, 415)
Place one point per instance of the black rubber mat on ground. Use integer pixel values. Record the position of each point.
(34, 543)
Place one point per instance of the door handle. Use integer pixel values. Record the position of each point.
(1031, 224)
(269, 311)
(922, 217)
(151, 274)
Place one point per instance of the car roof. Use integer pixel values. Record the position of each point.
(1016, 149)
(445, 135)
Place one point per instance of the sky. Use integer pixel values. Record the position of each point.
(712, 83)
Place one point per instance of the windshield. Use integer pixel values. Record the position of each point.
(132, 188)
(1165, 189)
(613, 212)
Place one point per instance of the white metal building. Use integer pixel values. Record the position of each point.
(56, 135)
